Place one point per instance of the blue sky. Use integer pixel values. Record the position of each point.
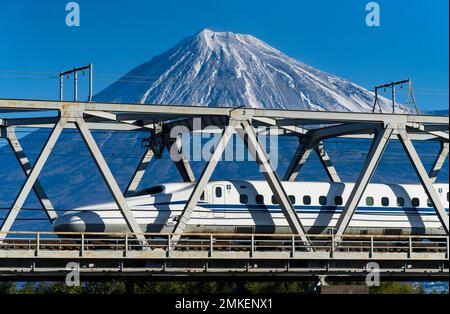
(412, 41)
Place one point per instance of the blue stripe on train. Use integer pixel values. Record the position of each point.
(310, 209)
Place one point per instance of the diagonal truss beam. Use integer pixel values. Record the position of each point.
(300, 157)
(31, 179)
(373, 158)
(326, 163)
(424, 178)
(139, 172)
(183, 166)
(433, 130)
(304, 151)
(181, 161)
(340, 130)
(272, 179)
(272, 122)
(26, 167)
(439, 162)
(203, 181)
(109, 180)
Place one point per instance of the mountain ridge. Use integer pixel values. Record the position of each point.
(229, 69)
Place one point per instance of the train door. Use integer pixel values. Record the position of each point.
(218, 198)
(443, 194)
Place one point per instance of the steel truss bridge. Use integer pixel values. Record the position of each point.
(311, 128)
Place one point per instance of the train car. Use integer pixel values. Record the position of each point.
(250, 207)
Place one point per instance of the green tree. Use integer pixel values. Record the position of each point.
(397, 288)
(276, 287)
(7, 288)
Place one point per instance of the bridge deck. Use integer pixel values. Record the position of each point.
(34, 254)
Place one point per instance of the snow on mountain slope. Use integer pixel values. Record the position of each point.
(228, 70)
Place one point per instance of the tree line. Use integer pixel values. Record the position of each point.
(190, 287)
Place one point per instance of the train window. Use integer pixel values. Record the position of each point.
(338, 200)
(307, 200)
(155, 189)
(218, 192)
(447, 197)
(385, 201)
(429, 204)
(415, 202)
(202, 197)
(259, 199)
(151, 191)
(400, 201)
(292, 199)
(243, 198)
(274, 199)
(369, 201)
(323, 200)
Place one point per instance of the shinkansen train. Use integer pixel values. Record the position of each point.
(251, 207)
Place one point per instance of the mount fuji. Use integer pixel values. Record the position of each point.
(229, 70)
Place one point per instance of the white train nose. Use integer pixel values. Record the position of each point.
(79, 221)
(70, 222)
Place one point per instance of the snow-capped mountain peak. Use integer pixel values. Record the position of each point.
(228, 70)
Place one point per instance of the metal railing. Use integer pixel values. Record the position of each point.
(250, 244)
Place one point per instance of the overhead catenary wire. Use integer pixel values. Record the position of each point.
(126, 78)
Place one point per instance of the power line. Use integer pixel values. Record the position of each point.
(151, 79)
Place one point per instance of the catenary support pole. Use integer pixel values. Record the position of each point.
(61, 86)
(75, 86)
(91, 80)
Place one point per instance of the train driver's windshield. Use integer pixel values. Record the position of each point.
(150, 191)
